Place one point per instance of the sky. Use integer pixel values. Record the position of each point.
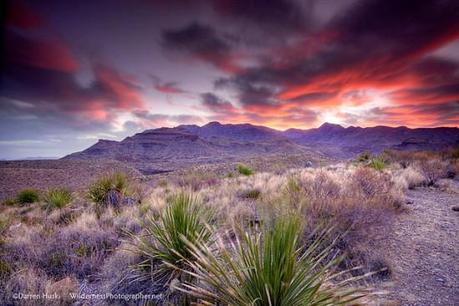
(77, 71)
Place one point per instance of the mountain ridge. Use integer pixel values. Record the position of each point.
(215, 141)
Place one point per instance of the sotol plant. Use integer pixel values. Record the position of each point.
(109, 190)
(164, 244)
(268, 268)
(57, 198)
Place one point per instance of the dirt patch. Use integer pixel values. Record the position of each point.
(423, 249)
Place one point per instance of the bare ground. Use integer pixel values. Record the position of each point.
(423, 249)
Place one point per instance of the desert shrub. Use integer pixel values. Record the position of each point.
(4, 224)
(364, 157)
(244, 170)
(5, 271)
(9, 202)
(26, 281)
(409, 178)
(164, 244)
(432, 169)
(377, 164)
(250, 194)
(27, 196)
(109, 190)
(57, 198)
(265, 269)
(196, 180)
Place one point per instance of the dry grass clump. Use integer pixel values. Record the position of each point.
(353, 198)
(198, 179)
(408, 178)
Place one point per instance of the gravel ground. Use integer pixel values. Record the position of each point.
(423, 250)
(44, 174)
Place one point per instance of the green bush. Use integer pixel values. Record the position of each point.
(377, 164)
(57, 198)
(27, 196)
(109, 190)
(266, 269)
(244, 170)
(184, 219)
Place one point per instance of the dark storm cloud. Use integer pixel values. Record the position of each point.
(216, 104)
(201, 42)
(42, 73)
(270, 15)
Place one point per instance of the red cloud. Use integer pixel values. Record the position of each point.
(121, 92)
(20, 15)
(46, 54)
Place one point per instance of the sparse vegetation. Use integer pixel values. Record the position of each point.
(57, 198)
(27, 196)
(244, 170)
(183, 233)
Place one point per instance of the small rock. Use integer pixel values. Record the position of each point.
(308, 164)
(441, 280)
(455, 208)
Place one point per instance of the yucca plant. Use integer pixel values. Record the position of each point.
(267, 268)
(165, 242)
(57, 198)
(109, 190)
(377, 164)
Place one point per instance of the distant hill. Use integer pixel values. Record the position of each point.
(332, 139)
(216, 142)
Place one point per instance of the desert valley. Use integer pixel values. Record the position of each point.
(229, 152)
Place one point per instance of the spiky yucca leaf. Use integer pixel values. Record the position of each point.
(164, 244)
(268, 268)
